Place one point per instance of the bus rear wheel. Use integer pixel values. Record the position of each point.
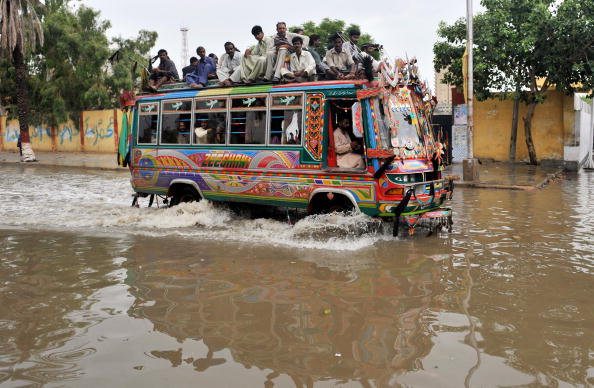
(184, 194)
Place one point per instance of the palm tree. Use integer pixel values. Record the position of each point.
(20, 31)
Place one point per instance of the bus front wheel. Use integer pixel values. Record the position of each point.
(184, 194)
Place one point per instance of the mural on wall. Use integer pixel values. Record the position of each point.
(98, 130)
(68, 133)
(12, 132)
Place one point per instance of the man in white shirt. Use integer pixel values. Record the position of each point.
(345, 147)
(275, 59)
(228, 67)
(301, 66)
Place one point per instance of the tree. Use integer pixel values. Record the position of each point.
(70, 71)
(524, 47)
(329, 27)
(20, 32)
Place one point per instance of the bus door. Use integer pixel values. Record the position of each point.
(345, 112)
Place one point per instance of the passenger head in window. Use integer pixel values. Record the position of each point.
(298, 30)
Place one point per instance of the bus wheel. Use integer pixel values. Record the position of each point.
(184, 194)
(323, 203)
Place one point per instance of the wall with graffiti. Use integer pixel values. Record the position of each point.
(99, 134)
(99, 131)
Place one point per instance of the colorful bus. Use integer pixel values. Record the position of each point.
(273, 144)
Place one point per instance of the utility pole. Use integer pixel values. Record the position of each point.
(470, 165)
(184, 49)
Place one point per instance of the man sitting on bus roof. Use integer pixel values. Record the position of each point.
(164, 73)
(314, 43)
(190, 68)
(229, 67)
(301, 66)
(205, 69)
(350, 47)
(253, 64)
(275, 58)
(345, 147)
(340, 63)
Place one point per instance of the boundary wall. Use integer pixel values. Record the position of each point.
(99, 132)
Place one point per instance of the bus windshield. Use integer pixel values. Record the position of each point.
(399, 124)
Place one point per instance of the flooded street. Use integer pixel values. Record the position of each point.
(95, 293)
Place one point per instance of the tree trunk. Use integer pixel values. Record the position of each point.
(528, 132)
(22, 103)
(514, 130)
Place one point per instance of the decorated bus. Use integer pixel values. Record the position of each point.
(273, 144)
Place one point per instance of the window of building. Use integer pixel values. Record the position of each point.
(248, 120)
(286, 119)
(176, 118)
(148, 120)
(210, 121)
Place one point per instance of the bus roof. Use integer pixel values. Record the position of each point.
(243, 89)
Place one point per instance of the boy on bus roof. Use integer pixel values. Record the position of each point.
(253, 64)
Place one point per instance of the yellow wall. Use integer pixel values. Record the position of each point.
(99, 134)
(11, 134)
(68, 137)
(552, 121)
(99, 131)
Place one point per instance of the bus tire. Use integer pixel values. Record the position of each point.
(321, 204)
(184, 194)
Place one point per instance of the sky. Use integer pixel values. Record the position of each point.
(403, 27)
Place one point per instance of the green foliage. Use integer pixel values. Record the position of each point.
(71, 71)
(517, 42)
(329, 27)
(131, 57)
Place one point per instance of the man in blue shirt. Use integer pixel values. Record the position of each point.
(205, 69)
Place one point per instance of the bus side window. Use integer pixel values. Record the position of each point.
(286, 117)
(210, 121)
(382, 123)
(248, 120)
(148, 118)
(176, 116)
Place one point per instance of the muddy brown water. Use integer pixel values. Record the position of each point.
(93, 293)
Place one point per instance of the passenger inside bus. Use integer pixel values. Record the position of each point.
(345, 147)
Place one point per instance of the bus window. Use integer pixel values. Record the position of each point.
(210, 121)
(383, 123)
(175, 122)
(148, 119)
(248, 120)
(286, 115)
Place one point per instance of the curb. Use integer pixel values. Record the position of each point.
(548, 179)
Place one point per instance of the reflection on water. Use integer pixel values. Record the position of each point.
(504, 300)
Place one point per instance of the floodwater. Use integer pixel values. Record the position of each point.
(95, 293)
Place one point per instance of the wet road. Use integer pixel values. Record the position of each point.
(95, 293)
